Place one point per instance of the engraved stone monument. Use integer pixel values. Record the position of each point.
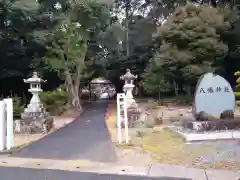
(214, 105)
(213, 95)
(34, 119)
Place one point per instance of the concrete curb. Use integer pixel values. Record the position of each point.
(176, 171)
(206, 136)
(155, 170)
(15, 149)
(166, 170)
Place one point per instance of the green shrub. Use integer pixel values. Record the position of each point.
(140, 134)
(185, 99)
(54, 101)
(237, 89)
(18, 106)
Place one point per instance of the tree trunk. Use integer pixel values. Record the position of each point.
(76, 98)
(189, 90)
(175, 88)
(136, 91)
(127, 4)
(159, 97)
(77, 87)
(67, 89)
(73, 89)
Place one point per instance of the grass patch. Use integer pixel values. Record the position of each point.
(162, 142)
(140, 134)
(169, 148)
(125, 145)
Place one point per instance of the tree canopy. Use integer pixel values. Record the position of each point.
(191, 41)
(168, 43)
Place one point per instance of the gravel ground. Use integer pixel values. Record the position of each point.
(211, 154)
(228, 150)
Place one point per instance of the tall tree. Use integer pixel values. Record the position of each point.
(132, 36)
(25, 26)
(67, 53)
(192, 44)
(154, 81)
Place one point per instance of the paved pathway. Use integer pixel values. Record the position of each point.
(16, 173)
(85, 138)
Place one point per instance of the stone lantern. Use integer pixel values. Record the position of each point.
(128, 77)
(133, 112)
(34, 119)
(35, 105)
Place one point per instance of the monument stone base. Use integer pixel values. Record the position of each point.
(133, 115)
(213, 125)
(33, 126)
(191, 136)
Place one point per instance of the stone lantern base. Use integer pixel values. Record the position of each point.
(30, 126)
(133, 115)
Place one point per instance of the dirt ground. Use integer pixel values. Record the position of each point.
(23, 139)
(158, 144)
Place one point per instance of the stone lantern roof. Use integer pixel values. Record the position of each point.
(34, 79)
(128, 76)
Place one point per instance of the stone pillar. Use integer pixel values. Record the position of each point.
(129, 96)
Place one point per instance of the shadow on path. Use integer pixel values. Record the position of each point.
(85, 138)
(12, 173)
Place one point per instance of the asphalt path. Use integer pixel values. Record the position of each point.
(85, 138)
(16, 173)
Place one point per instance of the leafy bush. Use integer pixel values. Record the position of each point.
(54, 101)
(18, 106)
(140, 134)
(237, 89)
(185, 99)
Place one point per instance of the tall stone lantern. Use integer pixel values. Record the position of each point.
(133, 112)
(129, 78)
(35, 106)
(34, 119)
